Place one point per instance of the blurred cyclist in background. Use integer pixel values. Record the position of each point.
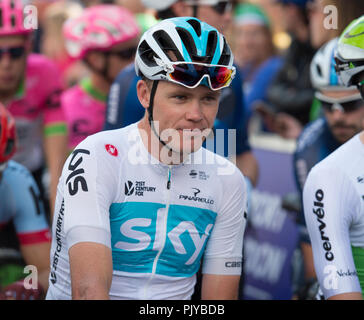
(123, 108)
(105, 38)
(30, 88)
(343, 117)
(24, 232)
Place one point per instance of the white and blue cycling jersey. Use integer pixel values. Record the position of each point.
(158, 220)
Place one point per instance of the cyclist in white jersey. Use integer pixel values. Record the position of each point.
(334, 194)
(138, 208)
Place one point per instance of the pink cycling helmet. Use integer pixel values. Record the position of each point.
(99, 28)
(12, 18)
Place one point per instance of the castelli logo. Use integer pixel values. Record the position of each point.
(111, 149)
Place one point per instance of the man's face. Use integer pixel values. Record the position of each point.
(12, 68)
(184, 115)
(344, 125)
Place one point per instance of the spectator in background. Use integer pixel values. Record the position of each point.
(53, 41)
(290, 95)
(105, 37)
(254, 52)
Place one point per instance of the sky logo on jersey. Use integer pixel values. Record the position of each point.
(76, 172)
(146, 238)
(111, 150)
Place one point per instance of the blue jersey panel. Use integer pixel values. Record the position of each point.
(182, 234)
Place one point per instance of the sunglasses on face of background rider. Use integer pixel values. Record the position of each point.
(125, 54)
(222, 7)
(347, 104)
(13, 52)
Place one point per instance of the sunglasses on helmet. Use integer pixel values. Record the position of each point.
(347, 104)
(347, 70)
(191, 74)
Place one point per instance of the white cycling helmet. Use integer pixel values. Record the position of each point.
(188, 38)
(323, 74)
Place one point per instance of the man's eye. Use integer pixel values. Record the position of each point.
(180, 97)
(210, 98)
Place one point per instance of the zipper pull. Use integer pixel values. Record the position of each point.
(169, 179)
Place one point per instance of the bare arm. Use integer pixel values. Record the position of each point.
(91, 271)
(38, 255)
(220, 287)
(347, 296)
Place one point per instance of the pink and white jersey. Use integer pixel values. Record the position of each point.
(36, 109)
(84, 109)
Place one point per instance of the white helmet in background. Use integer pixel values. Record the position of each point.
(323, 74)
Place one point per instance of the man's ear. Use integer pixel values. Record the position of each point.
(143, 92)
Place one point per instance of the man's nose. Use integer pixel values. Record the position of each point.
(5, 60)
(194, 112)
(337, 114)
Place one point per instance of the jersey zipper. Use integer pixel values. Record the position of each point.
(164, 232)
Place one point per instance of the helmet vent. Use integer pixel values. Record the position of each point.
(187, 41)
(167, 45)
(196, 26)
(225, 55)
(211, 46)
(147, 54)
(318, 69)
